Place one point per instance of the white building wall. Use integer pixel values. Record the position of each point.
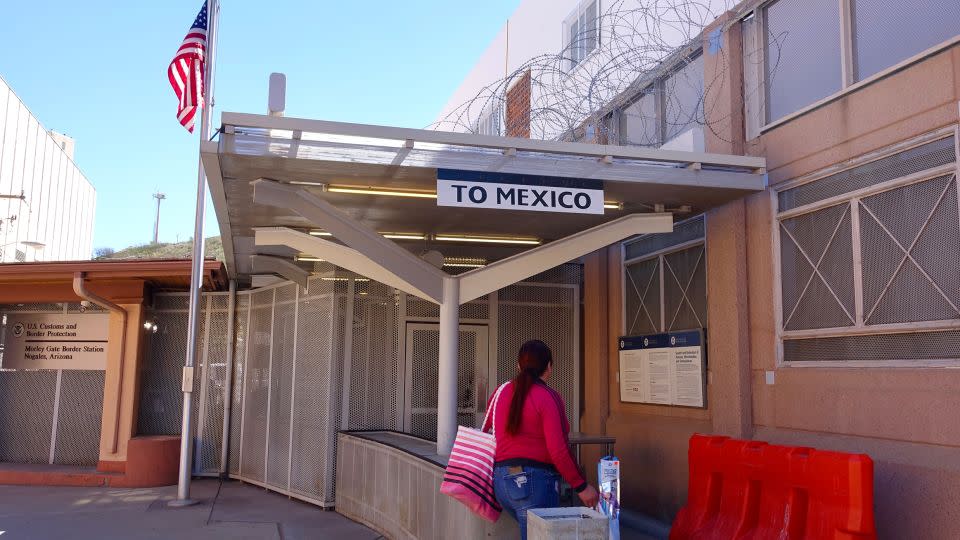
(59, 202)
(536, 30)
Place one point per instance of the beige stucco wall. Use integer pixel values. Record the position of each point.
(113, 379)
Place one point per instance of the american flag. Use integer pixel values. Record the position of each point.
(187, 69)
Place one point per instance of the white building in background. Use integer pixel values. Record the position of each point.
(46, 203)
(628, 72)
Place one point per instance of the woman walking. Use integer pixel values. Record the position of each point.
(532, 450)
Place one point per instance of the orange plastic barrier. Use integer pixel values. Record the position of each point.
(754, 490)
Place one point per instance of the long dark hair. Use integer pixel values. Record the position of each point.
(534, 358)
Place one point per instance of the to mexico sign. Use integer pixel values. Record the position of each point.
(502, 191)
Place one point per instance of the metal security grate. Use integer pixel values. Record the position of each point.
(642, 297)
(886, 347)
(214, 347)
(816, 260)
(26, 398)
(423, 391)
(550, 313)
(898, 165)
(666, 292)
(283, 338)
(161, 401)
(910, 251)
(685, 289)
(314, 421)
(685, 231)
(239, 363)
(876, 268)
(375, 366)
(79, 417)
(256, 387)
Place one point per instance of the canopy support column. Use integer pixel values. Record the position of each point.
(447, 369)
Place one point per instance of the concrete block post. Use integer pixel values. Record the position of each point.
(447, 369)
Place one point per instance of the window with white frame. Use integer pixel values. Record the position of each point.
(799, 52)
(665, 281)
(667, 108)
(581, 32)
(868, 260)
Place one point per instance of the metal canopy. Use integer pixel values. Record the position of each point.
(311, 153)
(274, 179)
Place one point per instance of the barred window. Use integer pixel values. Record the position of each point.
(862, 261)
(665, 288)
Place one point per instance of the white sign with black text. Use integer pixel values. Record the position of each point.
(547, 195)
(56, 341)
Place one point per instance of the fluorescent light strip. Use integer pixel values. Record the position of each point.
(307, 258)
(488, 240)
(470, 260)
(404, 236)
(359, 279)
(391, 235)
(464, 265)
(383, 191)
(612, 205)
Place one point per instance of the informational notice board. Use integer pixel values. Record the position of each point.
(663, 369)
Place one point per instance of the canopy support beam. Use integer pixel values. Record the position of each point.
(268, 264)
(383, 252)
(339, 255)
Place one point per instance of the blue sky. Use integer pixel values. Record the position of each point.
(96, 70)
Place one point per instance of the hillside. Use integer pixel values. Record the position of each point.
(181, 250)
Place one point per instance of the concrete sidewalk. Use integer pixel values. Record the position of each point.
(232, 510)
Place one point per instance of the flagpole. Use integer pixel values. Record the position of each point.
(196, 270)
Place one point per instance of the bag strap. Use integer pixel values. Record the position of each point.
(490, 410)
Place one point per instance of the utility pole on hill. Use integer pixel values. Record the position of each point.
(156, 222)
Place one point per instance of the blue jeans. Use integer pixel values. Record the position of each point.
(532, 487)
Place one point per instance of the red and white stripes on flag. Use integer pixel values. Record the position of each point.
(186, 71)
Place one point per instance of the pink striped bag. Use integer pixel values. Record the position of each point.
(469, 474)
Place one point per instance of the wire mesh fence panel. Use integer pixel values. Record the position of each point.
(910, 250)
(314, 421)
(214, 372)
(26, 398)
(161, 399)
(256, 387)
(642, 297)
(685, 289)
(423, 342)
(816, 258)
(239, 370)
(374, 364)
(79, 417)
(281, 386)
(549, 314)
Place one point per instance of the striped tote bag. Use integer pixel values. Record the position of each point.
(469, 474)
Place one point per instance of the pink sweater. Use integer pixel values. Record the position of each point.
(542, 437)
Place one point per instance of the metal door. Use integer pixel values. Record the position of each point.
(423, 348)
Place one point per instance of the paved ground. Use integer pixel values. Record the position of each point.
(231, 510)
